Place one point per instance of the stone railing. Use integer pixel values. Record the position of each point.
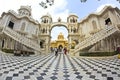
(95, 38)
(20, 38)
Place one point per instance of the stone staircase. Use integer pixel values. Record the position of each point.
(102, 34)
(21, 39)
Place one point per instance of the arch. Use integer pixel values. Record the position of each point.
(60, 48)
(42, 43)
(59, 24)
(49, 38)
(62, 26)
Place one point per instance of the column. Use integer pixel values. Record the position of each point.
(5, 43)
(106, 46)
(102, 45)
(110, 45)
(0, 43)
(12, 44)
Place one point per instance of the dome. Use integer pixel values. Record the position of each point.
(25, 10)
(26, 7)
(61, 36)
(73, 15)
(47, 15)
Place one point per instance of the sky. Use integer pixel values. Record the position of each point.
(61, 8)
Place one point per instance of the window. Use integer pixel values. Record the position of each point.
(11, 24)
(42, 43)
(107, 21)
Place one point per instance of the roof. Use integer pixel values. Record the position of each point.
(96, 14)
(20, 16)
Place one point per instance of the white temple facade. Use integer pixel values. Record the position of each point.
(96, 32)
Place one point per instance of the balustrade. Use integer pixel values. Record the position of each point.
(20, 38)
(95, 38)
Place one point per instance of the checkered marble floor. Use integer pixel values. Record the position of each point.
(62, 67)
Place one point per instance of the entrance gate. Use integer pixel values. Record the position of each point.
(46, 26)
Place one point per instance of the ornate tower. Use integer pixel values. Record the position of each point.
(45, 24)
(25, 10)
(73, 35)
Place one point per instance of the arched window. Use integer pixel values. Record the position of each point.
(73, 20)
(94, 25)
(108, 21)
(23, 26)
(42, 42)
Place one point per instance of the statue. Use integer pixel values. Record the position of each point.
(59, 19)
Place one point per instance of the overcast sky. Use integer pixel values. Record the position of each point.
(61, 8)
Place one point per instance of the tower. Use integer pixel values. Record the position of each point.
(72, 21)
(45, 25)
(25, 10)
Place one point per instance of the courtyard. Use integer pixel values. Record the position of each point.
(61, 67)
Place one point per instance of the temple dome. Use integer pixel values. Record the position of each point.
(60, 36)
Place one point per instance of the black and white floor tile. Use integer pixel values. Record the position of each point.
(62, 67)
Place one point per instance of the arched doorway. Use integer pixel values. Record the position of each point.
(59, 37)
(60, 47)
(46, 30)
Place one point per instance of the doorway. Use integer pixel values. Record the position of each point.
(60, 47)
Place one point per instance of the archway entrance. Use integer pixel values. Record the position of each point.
(60, 48)
(59, 37)
(70, 25)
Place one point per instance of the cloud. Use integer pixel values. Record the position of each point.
(102, 6)
(57, 10)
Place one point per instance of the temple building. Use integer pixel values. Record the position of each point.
(97, 32)
(60, 42)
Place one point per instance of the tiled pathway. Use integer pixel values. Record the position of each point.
(62, 67)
